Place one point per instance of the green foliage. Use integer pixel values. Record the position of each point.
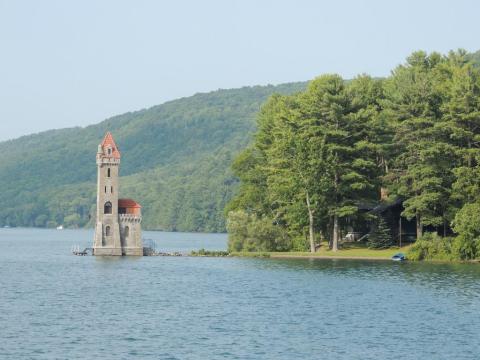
(467, 225)
(212, 253)
(431, 247)
(423, 163)
(315, 157)
(247, 232)
(465, 246)
(321, 154)
(175, 161)
(380, 237)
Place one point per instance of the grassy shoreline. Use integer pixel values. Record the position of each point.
(349, 251)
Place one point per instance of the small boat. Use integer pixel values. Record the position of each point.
(60, 227)
(398, 257)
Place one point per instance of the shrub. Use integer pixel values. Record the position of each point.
(465, 248)
(300, 243)
(203, 252)
(431, 247)
(247, 232)
(467, 225)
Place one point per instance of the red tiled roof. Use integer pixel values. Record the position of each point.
(128, 203)
(108, 141)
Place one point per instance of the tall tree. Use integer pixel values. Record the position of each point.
(423, 159)
(341, 119)
(297, 168)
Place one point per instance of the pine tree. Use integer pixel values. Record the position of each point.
(423, 165)
(380, 236)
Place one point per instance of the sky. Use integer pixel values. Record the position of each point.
(75, 63)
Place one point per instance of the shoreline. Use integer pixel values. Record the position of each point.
(328, 257)
(267, 255)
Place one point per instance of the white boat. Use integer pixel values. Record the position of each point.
(60, 227)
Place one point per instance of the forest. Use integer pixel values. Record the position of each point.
(318, 156)
(175, 161)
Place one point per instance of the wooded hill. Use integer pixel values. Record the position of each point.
(176, 161)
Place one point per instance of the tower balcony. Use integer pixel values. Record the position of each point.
(132, 218)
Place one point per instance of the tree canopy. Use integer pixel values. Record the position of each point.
(321, 155)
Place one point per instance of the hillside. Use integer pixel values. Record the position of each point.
(175, 161)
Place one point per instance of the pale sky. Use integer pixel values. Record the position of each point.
(74, 63)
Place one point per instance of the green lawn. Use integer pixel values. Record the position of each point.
(353, 250)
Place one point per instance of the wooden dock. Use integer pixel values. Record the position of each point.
(87, 251)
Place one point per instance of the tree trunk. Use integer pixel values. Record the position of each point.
(336, 233)
(335, 216)
(469, 154)
(310, 224)
(419, 226)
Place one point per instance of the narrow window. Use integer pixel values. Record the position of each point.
(109, 151)
(111, 189)
(108, 172)
(127, 231)
(107, 231)
(107, 209)
(105, 189)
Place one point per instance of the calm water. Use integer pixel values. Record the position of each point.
(55, 305)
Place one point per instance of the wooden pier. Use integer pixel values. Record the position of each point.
(87, 251)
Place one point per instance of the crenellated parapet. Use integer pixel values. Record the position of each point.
(102, 160)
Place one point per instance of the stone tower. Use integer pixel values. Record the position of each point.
(117, 229)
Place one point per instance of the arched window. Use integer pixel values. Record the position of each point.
(107, 231)
(107, 209)
(127, 231)
(108, 172)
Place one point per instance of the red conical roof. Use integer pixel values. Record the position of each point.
(109, 142)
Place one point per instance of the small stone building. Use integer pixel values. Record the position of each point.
(118, 223)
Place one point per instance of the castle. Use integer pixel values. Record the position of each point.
(118, 224)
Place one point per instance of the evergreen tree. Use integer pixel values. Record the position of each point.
(380, 237)
(423, 162)
(343, 117)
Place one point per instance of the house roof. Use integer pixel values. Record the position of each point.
(128, 203)
(382, 207)
(109, 142)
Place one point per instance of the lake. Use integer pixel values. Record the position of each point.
(54, 305)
